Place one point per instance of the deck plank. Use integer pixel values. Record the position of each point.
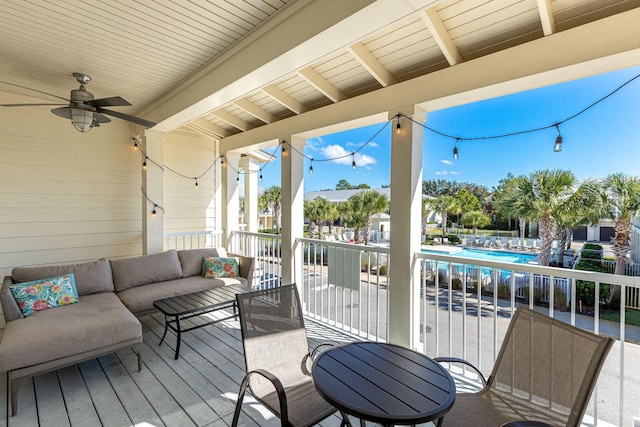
(51, 410)
(131, 397)
(76, 398)
(104, 397)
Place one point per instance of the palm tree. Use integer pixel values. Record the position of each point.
(510, 201)
(622, 194)
(476, 219)
(543, 195)
(361, 208)
(442, 205)
(317, 211)
(272, 197)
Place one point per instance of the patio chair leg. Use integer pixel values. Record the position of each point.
(345, 420)
(241, 392)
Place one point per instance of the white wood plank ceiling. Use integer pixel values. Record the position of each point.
(141, 50)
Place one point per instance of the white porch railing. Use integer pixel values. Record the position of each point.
(466, 306)
(193, 240)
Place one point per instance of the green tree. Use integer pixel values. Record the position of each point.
(509, 198)
(467, 202)
(360, 209)
(475, 219)
(622, 196)
(272, 198)
(442, 205)
(343, 184)
(546, 195)
(317, 211)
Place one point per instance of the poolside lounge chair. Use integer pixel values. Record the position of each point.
(487, 243)
(545, 372)
(499, 243)
(277, 358)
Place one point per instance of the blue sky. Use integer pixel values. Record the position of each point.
(603, 140)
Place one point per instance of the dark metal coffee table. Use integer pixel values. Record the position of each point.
(176, 309)
(384, 383)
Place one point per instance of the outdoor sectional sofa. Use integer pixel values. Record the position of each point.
(112, 294)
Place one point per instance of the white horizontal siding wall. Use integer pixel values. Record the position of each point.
(66, 197)
(187, 207)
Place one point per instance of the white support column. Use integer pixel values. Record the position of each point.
(406, 206)
(251, 168)
(230, 196)
(152, 185)
(292, 209)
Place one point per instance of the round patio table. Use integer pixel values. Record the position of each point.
(384, 383)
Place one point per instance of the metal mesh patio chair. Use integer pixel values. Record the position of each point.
(545, 372)
(277, 358)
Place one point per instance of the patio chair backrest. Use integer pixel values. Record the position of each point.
(550, 364)
(273, 335)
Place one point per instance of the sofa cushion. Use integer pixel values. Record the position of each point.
(45, 293)
(214, 267)
(191, 259)
(97, 321)
(139, 300)
(130, 272)
(90, 277)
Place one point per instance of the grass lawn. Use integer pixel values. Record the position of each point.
(632, 316)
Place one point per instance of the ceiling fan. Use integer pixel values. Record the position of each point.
(85, 112)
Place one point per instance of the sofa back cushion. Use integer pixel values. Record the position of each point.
(191, 259)
(130, 272)
(90, 277)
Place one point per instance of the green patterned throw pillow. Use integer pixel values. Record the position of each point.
(45, 293)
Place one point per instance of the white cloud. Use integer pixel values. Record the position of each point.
(372, 144)
(441, 172)
(454, 173)
(447, 162)
(345, 158)
(315, 144)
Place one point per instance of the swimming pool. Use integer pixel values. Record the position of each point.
(512, 257)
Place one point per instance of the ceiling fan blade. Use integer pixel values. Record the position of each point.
(100, 118)
(26, 105)
(114, 101)
(132, 119)
(35, 90)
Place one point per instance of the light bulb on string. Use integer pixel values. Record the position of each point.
(135, 143)
(311, 168)
(144, 163)
(260, 175)
(284, 150)
(238, 177)
(196, 179)
(557, 147)
(398, 127)
(455, 149)
(353, 162)
(221, 160)
(153, 212)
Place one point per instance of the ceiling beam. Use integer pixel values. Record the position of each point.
(441, 35)
(255, 111)
(546, 17)
(602, 46)
(321, 84)
(231, 119)
(285, 99)
(371, 64)
(209, 128)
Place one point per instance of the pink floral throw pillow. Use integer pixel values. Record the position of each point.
(214, 267)
(45, 293)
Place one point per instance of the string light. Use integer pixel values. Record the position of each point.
(156, 206)
(153, 212)
(144, 163)
(238, 177)
(311, 167)
(135, 143)
(557, 147)
(196, 178)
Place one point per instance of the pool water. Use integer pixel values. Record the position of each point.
(512, 257)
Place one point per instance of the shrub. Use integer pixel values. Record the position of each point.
(586, 290)
(453, 238)
(383, 270)
(456, 284)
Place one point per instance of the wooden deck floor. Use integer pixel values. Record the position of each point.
(199, 389)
